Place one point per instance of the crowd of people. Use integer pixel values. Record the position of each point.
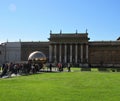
(30, 68)
(19, 68)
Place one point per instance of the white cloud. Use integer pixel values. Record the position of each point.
(12, 7)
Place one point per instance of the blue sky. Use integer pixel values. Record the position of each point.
(32, 20)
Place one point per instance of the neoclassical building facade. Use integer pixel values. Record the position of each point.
(68, 47)
(75, 48)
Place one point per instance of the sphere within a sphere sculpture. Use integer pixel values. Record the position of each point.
(37, 57)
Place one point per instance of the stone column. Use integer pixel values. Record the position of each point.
(65, 53)
(50, 53)
(86, 52)
(60, 53)
(76, 53)
(55, 53)
(81, 53)
(71, 53)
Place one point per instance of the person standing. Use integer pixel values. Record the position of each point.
(50, 67)
(59, 67)
(69, 67)
(4, 70)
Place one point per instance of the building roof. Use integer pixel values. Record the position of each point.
(68, 36)
(104, 43)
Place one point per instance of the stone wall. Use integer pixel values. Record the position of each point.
(104, 53)
(29, 47)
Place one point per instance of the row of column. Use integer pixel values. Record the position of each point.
(65, 53)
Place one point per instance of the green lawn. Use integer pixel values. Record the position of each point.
(64, 86)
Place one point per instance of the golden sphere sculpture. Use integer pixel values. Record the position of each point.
(37, 57)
